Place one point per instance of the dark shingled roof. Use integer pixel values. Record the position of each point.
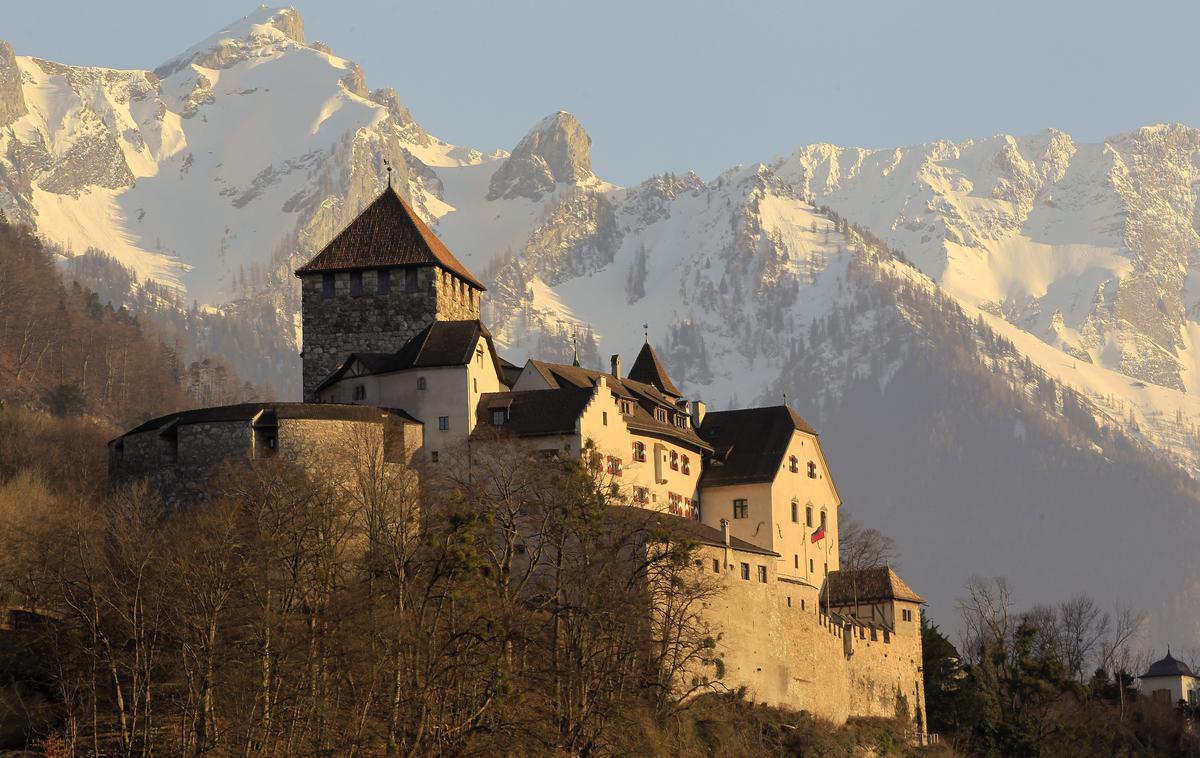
(442, 343)
(531, 413)
(647, 369)
(387, 233)
(1168, 666)
(845, 587)
(749, 443)
(272, 412)
(645, 397)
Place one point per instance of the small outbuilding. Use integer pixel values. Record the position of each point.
(1169, 681)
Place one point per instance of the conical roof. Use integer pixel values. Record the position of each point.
(647, 369)
(387, 233)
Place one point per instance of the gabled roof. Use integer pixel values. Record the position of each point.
(442, 343)
(532, 413)
(750, 443)
(647, 369)
(261, 412)
(847, 587)
(1168, 666)
(645, 399)
(387, 233)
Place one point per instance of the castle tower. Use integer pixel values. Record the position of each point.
(383, 279)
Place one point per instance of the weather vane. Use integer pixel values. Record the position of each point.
(646, 332)
(388, 165)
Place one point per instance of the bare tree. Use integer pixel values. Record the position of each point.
(861, 547)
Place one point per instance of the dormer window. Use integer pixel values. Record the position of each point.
(794, 464)
(661, 415)
(499, 416)
(328, 286)
(625, 408)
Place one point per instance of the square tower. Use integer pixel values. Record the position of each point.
(384, 278)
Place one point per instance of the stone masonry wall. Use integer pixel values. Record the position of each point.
(205, 448)
(800, 659)
(336, 326)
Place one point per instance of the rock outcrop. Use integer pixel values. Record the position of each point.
(12, 100)
(557, 150)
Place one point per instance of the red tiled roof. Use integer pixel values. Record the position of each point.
(387, 233)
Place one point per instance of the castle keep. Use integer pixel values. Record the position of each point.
(394, 349)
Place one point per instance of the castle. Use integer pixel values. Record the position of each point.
(393, 345)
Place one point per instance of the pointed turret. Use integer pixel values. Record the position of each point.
(647, 369)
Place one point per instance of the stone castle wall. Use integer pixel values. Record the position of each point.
(789, 654)
(371, 322)
(205, 449)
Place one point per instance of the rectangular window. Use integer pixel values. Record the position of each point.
(383, 281)
(716, 565)
(625, 407)
(874, 634)
(812, 470)
(639, 451)
(421, 385)
(801, 603)
(811, 569)
(795, 513)
(360, 392)
(433, 457)
(796, 559)
(674, 461)
(604, 417)
(740, 508)
(762, 574)
(746, 571)
(614, 465)
(355, 284)
(410, 279)
(641, 494)
(474, 384)
(443, 423)
(499, 417)
(822, 518)
(789, 601)
(328, 288)
(686, 464)
(808, 515)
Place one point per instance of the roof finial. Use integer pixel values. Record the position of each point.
(785, 399)
(388, 164)
(646, 332)
(575, 345)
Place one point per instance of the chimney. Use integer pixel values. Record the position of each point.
(616, 366)
(698, 411)
(725, 531)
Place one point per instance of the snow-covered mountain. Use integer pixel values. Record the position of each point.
(1037, 298)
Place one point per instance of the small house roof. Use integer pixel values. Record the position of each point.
(1167, 666)
(847, 587)
(388, 232)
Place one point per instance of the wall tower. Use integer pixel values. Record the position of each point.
(380, 281)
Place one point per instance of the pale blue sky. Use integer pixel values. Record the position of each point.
(683, 84)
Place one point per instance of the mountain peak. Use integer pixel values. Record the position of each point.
(264, 27)
(12, 99)
(556, 150)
